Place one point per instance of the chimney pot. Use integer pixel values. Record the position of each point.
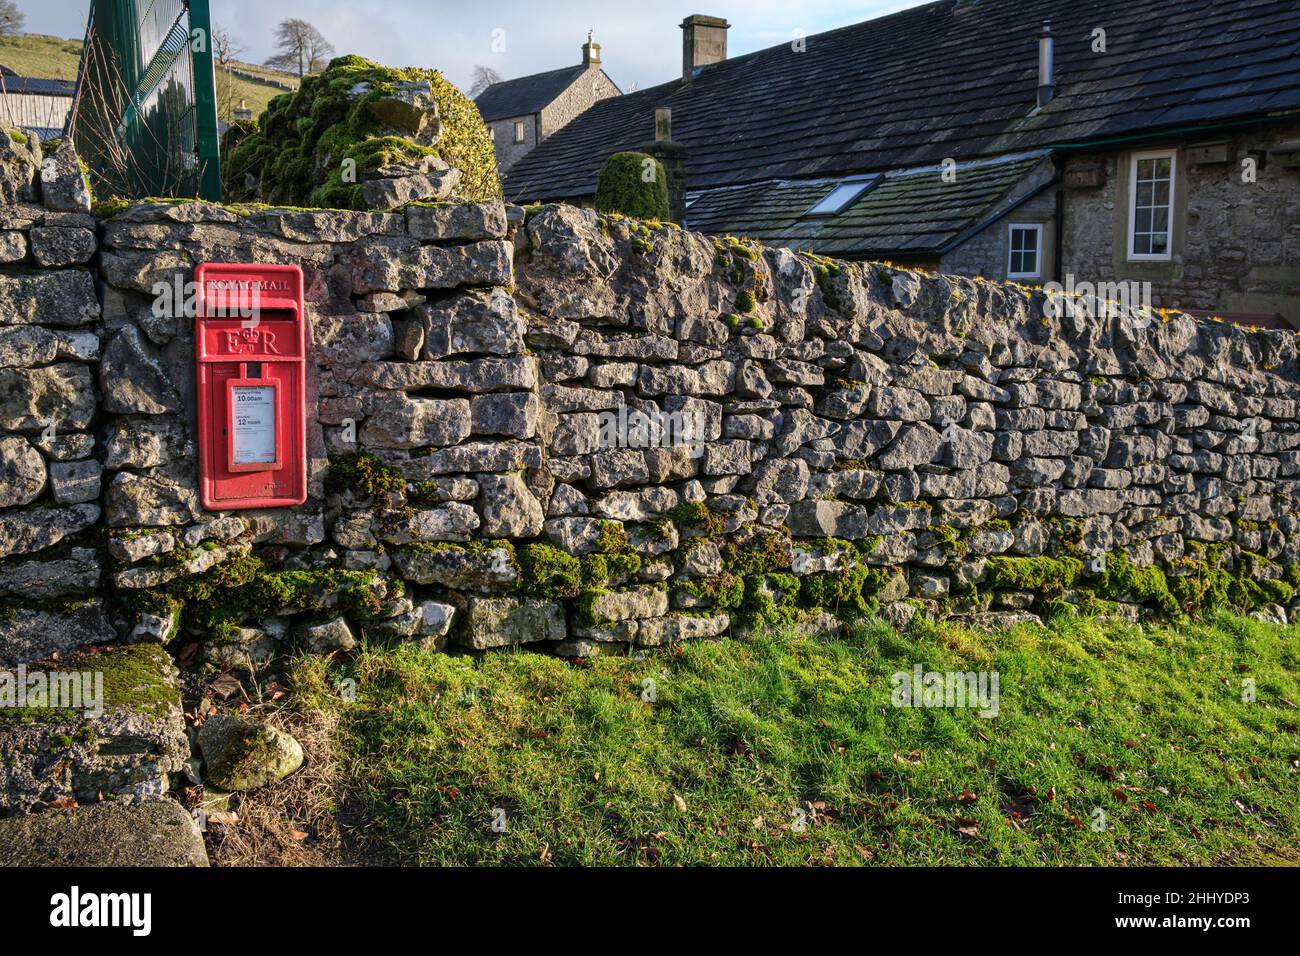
(1046, 65)
(704, 41)
(663, 124)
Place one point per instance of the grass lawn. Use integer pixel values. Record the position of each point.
(786, 749)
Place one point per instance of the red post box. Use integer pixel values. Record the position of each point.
(250, 351)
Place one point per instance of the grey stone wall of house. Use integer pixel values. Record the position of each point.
(986, 253)
(509, 152)
(1236, 243)
(586, 91)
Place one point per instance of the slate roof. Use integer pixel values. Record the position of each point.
(11, 83)
(955, 78)
(911, 212)
(525, 95)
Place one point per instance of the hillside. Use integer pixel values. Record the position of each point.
(49, 57)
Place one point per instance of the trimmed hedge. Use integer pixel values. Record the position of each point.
(629, 185)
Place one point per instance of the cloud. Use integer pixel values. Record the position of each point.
(641, 41)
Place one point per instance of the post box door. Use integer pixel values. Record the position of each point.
(251, 387)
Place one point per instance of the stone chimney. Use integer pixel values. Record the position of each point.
(673, 158)
(590, 52)
(1046, 66)
(704, 41)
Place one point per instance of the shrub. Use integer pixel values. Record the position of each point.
(629, 185)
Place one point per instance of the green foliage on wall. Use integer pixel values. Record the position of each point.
(296, 155)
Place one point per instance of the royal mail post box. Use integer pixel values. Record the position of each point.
(250, 350)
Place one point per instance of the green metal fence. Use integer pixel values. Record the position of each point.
(145, 116)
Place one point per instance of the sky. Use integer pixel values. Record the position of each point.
(640, 39)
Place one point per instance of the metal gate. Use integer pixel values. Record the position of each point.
(145, 116)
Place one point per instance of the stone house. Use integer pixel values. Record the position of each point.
(1032, 140)
(522, 112)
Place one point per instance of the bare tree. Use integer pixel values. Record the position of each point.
(484, 76)
(11, 18)
(301, 48)
(225, 47)
(225, 50)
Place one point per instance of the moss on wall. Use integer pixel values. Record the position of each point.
(296, 155)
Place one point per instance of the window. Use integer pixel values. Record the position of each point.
(1026, 251)
(519, 131)
(1151, 206)
(843, 195)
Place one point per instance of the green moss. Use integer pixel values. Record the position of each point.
(622, 186)
(363, 474)
(744, 302)
(1125, 581)
(546, 571)
(18, 137)
(135, 677)
(296, 155)
(758, 553)
(699, 516)
(1047, 576)
(612, 537)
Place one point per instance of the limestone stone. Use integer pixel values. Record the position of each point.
(133, 377)
(157, 833)
(327, 636)
(504, 621)
(22, 472)
(120, 741)
(36, 527)
(508, 509)
(63, 183)
(58, 298)
(241, 754)
(33, 399)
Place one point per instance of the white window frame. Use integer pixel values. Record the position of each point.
(521, 134)
(1168, 254)
(1037, 229)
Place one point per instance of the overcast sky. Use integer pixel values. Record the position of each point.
(641, 40)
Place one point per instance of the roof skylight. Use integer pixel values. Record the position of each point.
(842, 195)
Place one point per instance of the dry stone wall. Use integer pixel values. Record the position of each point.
(582, 433)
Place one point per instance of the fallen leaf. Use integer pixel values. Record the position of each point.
(225, 686)
(679, 803)
(969, 833)
(223, 817)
